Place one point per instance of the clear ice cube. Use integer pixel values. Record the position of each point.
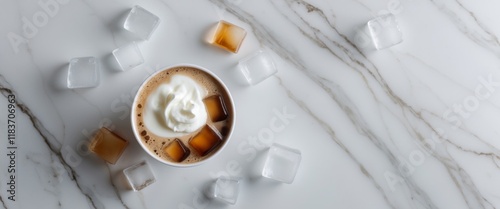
(216, 108)
(384, 31)
(107, 145)
(206, 140)
(176, 150)
(226, 189)
(141, 22)
(228, 36)
(257, 67)
(139, 176)
(281, 163)
(83, 72)
(128, 56)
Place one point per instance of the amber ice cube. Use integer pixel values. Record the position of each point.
(228, 36)
(206, 140)
(216, 108)
(177, 151)
(107, 145)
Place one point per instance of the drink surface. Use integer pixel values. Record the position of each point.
(159, 143)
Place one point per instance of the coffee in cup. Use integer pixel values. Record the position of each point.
(183, 115)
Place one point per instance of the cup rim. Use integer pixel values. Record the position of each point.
(174, 164)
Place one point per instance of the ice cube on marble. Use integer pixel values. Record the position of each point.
(141, 22)
(139, 176)
(281, 163)
(228, 36)
(225, 189)
(384, 31)
(257, 67)
(128, 56)
(107, 145)
(83, 72)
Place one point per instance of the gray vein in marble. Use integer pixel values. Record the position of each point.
(3, 203)
(93, 201)
(115, 189)
(435, 70)
(481, 25)
(143, 202)
(48, 138)
(332, 134)
(52, 137)
(363, 5)
(466, 181)
(361, 124)
(101, 19)
(497, 164)
(84, 99)
(6, 89)
(462, 127)
(362, 65)
(266, 38)
(40, 179)
(338, 95)
(171, 11)
(482, 37)
(460, 178)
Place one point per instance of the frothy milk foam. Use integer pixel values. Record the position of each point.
(170, 106)
(176, 108)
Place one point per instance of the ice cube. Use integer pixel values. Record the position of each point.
(225, 189)
(216, 108)
(128, 56)
(206, 140)
(228, 36)
(281, 163)
(107, 145)
(141, 22)
(257, 67)
(177, 151)
(384, 31)
(139, 176)
(83, 72)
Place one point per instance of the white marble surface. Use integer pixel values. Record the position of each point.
(412, 126)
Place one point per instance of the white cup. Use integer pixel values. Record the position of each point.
(223, 144)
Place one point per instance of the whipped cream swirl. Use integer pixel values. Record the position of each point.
(176, 108)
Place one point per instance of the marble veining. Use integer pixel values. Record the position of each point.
(403, 127)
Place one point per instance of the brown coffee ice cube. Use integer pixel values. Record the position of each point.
(228, 36)
(177, 151)
(206, 140)
(216, 108)
(107, 145)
